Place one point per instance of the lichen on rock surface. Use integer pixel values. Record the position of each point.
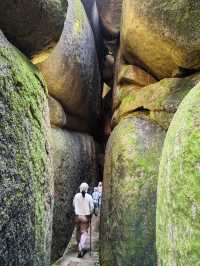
(178, 207)
(129, 197)
(26, 184)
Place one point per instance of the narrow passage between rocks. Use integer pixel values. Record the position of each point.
(70, 256)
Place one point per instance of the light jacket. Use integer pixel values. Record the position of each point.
(83, 206)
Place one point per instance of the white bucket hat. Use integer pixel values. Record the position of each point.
(84, 187)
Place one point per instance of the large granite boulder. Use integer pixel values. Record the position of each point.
(129, 198)
(74, 161)
(26, 183)
(178, 207)
(72, 71)
(33, 25)
(158, 101)
(163, 34)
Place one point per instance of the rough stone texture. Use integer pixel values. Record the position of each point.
(57, 114)
(72, 71)
(32, 25)
(129, 197)
(178, 231)
(26, 183)
(74, 161)
(158, 101)
(163, 34)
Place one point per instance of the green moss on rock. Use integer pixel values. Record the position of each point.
(25, 166)
(178, 209)
(129, 197)
(160, 99)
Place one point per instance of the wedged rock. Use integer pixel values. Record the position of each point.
(57, 115)
(108, 70)
(110, 18)
(163, 34)
(72, 71)
(33, 25)
(131, 74)
(110, 13)
(129, 197)
(26, 183)
(158, 101)
(126, 76)
(178, 231)
(74, 161)
(59, 118)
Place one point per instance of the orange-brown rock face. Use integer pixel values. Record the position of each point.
(164, 35)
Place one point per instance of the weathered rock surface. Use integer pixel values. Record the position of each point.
(57, 114)
(178, 231)
(129, 197)
(74, 161)
(72, 71)
(26, 183)
(158, 101)
(164, 35)
(33, 25)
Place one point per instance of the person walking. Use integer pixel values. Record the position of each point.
(96, 198)
(100, 190)
(83, 207)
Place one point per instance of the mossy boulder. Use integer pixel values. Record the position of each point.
(33, 25)
(26, 183)
(163, 34)
(74, 161)
(178, 207)
(72, 71)
(129, 198)
(158, 101)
